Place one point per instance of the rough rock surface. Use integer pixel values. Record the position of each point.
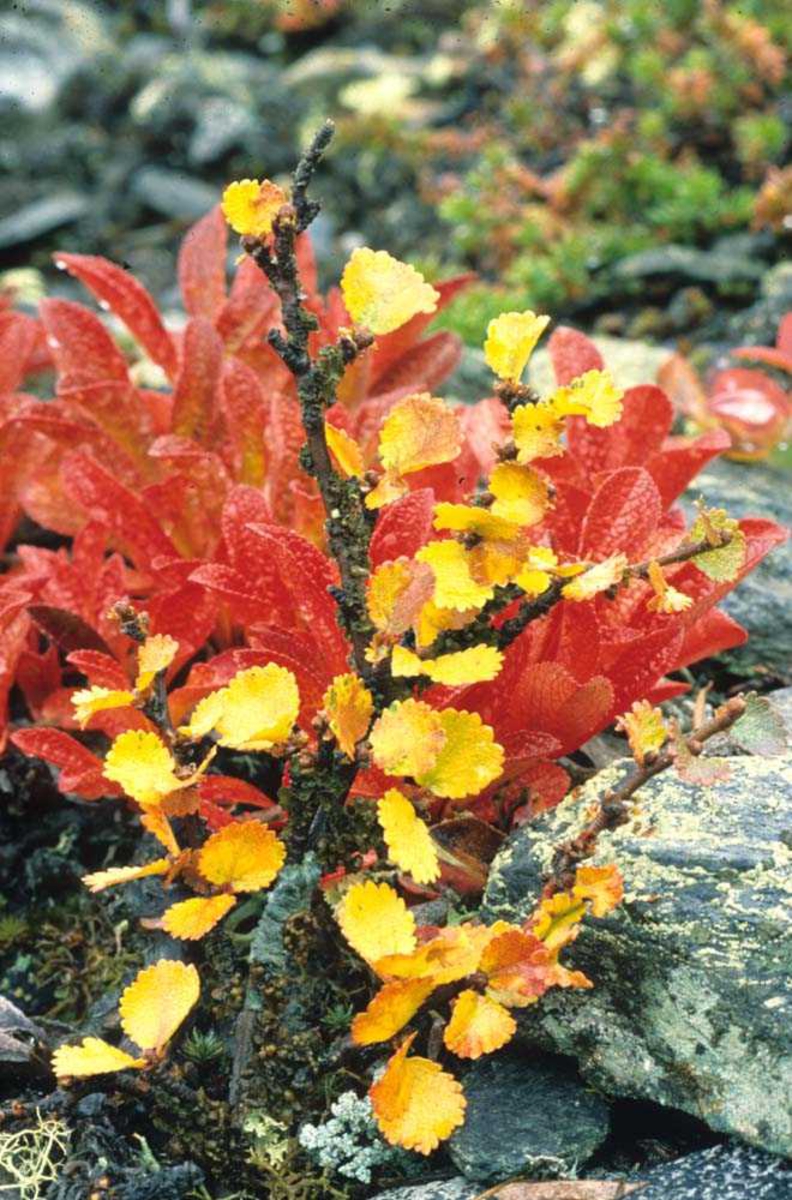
(720, 1173)
(443, 1189)
(762, 601)
(525, 1117)
(693, 973)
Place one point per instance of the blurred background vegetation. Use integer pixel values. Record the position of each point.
(624, 164)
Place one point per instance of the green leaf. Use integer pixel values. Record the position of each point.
(761, 729)
(721, 563)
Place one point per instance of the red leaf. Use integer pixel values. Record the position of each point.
(195, 397)
(403, 527)
(245, 410)
(107, 500)
(202, 266)
(424, 366)
(83, 350)
(67, 629)
(251, 307)
(227, 789)
(80, 770)
(623, 514)
(17, 341)
(641, 431)
(101, 670)
(129, 300)
(681, 459)
(572, 354)
(390, 348)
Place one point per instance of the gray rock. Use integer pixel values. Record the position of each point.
(526, 1117)
(720, 1173)
(173, 193)
(762, 601)
(758, 324)
(446, 1189)
(782, 701)
(693, 972)
(631, 363)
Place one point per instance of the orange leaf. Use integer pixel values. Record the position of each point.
(478, 1025)
(192, 919)
(154, 1005)
(99, 880)
(390, 1010)
(602, 887)
(416, 1103)
(348, 704)
(420, 431)
(244, 856)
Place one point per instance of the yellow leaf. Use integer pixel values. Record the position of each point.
(645, 729)
(520, 494)
(455, 586)
(155, 655)
(534, 577)
(418, 432)
(251, 207)
(511, 340)
(666, 598)
(557, 920)
(154, 1005)
(432, 620)
(245, 856)
(255, 711)
(407, 738)
(143, 766)
(602, 887)
(375, 921)
(349, 706)
(597, 579)
(416, 1103)
(390, 1010)
(92, 1057)
(99, 880)
(396, 592)
(593, 395)
(478, 1025)
(345, 450)
(159, 827)
(92, 700)
(472, 518)
(477, 664)
(469, 760)
(407, 837)
(537, 432)
(389, 488)
(192, 919)
(382, 293)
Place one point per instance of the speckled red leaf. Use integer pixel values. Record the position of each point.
(572, 354)
(80, 770)
(622, 516)
(403, 527)
(17, 341)
(105, 499)
(202, 266)
(101, 670)
(244, 407)
(423, 367)
(83, 350)
(681, 459)
(227, 789)
(196, 395)
(129, 300)
(640, 432)
(68, 630)
(250, 309)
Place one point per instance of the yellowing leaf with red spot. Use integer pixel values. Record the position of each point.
(143, 766)
(407, 738)
(478, 1025)
(469, 760)
(455, 586)
(407, 837)
(390, 1010)
(420, 431)
(244, 856)
(511, 340)
(520, 493)
(645, 729)
(99, 880)
(395, 594)
(597, 579)
(250, 206)
(666, 599)
(346, 452)
(477, 664)
(381, 293)
(92, 1057)
(593, 395)
(519, 967)
(375, 921)
(92, 700)
(537, 430)
(348, 705)
(155, 655)
(192, 919)
(154, 1005)
(557, 920)
(472, 518)
(389, 488)
(602, 887)
(416, 1103)
(451, 955)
